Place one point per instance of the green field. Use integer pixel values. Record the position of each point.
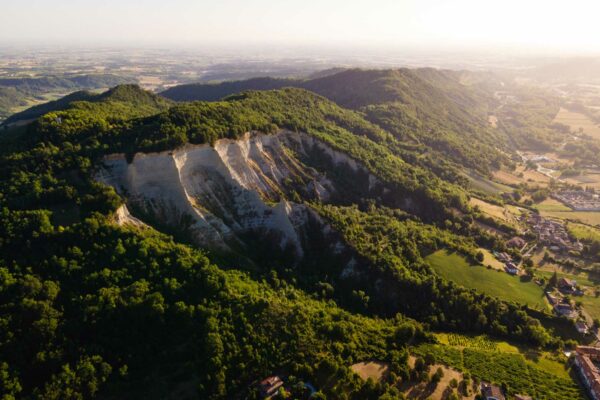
(540, 374)
(454, 267)
(587, 217)
(487, 186)
(551, 208)
(582, 278)
(591, 305)
(548, 361)
(551, 205)
(481, 342)
(584, 232)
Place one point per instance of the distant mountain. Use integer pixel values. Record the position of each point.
(18, 92)
(41, 109)
(326, 72)
(216, 91)
(48, 83)
(132, 95)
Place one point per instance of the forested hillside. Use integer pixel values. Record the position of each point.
(434, 115)
(93, 309)
(19, 92)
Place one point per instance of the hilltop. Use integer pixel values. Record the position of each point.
(190, 249)
(429, 109)
(17, 93)
(128, 95)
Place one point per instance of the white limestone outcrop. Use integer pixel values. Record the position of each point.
(217, 193)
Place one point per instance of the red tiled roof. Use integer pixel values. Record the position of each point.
(269, 386)
(584, 356)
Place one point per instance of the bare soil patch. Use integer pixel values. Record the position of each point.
(439, 391)
(371, 369)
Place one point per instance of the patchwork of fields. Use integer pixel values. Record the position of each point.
(551, 208)
(578, 121)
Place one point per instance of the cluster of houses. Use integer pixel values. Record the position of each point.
(587, 359)
(509, 266)
(563, 307)
(579, 200)
(587, 363)
(553, 234)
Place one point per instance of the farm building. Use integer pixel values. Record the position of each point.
(552, 299)
(491, 392)
(511, 268)
(567, 285)
(565, 310)
(582, 327)
(269, 386)
(504, 257)
(586, 359)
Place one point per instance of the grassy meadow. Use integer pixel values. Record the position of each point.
(584, 232)
(551, 208)
(454, 267)
(485, 185)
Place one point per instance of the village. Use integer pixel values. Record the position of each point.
(579, 200)
(551, 235)
(538, 233)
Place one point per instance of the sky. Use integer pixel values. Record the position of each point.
(569, 26)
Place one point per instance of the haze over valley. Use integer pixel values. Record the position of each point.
(274, 200)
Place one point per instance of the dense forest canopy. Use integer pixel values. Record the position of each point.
(431, 109)
(91, 308)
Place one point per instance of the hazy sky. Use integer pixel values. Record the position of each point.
(571, 25)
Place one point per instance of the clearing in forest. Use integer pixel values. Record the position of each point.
(454, 267)
(370, 369)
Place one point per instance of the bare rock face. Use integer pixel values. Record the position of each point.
(124, 217)
(219, 194)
